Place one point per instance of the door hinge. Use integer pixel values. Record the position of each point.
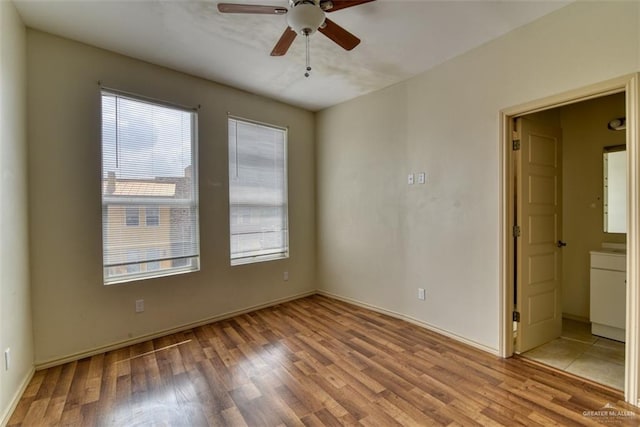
(516, 316)
(515, 137)
(516, 231)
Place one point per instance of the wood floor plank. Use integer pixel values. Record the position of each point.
(36, 383)
(392, 415)
(94, 380)
(325, 418)
(418, 415)
(49, 381)
(314, 362)
(36, 411)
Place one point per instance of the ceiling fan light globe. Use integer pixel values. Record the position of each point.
(305, 18)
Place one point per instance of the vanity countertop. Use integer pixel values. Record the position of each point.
(610, 251)
(609, 259)
(608, 248)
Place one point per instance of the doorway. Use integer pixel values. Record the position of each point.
(566, 182)
(546, 262)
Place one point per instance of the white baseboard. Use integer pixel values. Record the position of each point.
(4, 420)
(412, 320)
(120, 344)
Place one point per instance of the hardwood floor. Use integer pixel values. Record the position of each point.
(314, 361)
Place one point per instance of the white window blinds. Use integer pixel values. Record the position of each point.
(149, 189)
(257, 192)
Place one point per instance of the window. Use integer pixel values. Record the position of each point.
(153, 256)
(132, 257)
(132, 217)
(148, 168)
(153, 216)
(257, 192)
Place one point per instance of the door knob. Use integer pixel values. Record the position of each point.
(561, 243)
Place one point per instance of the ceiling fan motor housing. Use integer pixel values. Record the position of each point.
(305, 17)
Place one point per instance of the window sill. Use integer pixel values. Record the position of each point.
(149, 275)
(258, 258)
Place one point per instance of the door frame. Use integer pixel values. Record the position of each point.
(629, 85)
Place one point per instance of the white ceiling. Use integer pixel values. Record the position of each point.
(399, 40)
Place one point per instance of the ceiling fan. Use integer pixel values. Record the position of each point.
(304, 17)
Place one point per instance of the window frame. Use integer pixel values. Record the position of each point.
(285, 253)
(192, 263)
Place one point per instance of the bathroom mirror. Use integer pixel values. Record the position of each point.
(615, 189)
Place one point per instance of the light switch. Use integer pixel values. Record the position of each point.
(410, 179)
(421, 178)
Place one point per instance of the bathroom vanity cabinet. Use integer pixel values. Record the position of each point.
(608, 293)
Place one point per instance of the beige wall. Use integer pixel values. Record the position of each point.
(73, 311)
(380, 239)
(584, 134)
(15, 310)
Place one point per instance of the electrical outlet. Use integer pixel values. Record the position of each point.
(410, 179)
(7, 359)
(422, 178)
(285, 276)
(421, 294)
(139, 305)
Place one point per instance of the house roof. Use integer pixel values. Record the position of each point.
(142, 189)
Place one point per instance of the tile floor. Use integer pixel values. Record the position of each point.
(580, 353)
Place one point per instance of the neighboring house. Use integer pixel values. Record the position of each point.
(143, 218)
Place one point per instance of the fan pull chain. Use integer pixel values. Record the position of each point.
(307, 74)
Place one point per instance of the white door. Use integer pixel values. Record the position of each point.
(538, 246)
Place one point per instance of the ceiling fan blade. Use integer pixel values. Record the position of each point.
(284, 43)
(339, 35)
(343, 4)
(251, 8)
